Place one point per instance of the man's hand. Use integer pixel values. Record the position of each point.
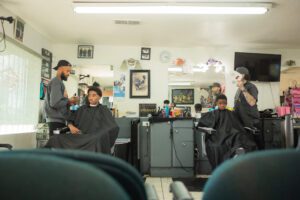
(240, 84)
(65, 94)
(73, 129)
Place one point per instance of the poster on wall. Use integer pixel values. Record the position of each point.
(205, 98)
(119, 87)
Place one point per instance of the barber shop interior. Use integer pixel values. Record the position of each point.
(149, 100)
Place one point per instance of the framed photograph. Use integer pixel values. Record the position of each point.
(139, 83)
(85, 51)
(147, 108)
(145, 53)
(19, 29)
(183, 96)
(46, 69)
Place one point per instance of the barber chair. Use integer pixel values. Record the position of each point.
(261, 175)
(239, 151)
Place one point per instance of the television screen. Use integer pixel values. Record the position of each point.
(262, 67)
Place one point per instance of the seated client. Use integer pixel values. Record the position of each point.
(229, 137)
(92, 126)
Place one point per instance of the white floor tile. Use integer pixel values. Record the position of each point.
(162, 186)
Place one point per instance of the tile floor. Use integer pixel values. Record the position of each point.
(162, 184)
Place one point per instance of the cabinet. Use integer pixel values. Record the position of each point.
(172, 148)
(273, 133)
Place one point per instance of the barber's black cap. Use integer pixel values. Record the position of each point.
(242, 70)
(62, 63)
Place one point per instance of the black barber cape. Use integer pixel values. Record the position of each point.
(99, 131)
(228, 137)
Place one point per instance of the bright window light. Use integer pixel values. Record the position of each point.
(171, 9)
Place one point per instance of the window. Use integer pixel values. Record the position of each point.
(19, 87)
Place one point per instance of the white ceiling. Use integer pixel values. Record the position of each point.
(279, 28)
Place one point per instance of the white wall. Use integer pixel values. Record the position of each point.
(114, 55)
(32, 39)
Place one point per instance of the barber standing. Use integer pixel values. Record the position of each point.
(56, 101)
(245, 101)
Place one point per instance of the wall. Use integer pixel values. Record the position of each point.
(19, 141)
(32, 38)
(114, 55)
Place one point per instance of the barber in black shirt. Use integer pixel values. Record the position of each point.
(245, 102)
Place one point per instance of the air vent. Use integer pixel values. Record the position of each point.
(127, 22)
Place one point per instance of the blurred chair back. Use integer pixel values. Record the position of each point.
(127, 176)
(35, 177)
(262, 175)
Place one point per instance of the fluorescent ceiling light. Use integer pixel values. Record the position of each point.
(180, 83)
(175, 69)
(169, 8)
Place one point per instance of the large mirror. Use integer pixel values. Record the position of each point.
(194, 85)
(99, 75)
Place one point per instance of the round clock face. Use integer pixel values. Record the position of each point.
(165, 56)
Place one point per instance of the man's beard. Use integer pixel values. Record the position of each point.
(63, 77)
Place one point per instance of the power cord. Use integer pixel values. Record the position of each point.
(176, 155)
(3, 39)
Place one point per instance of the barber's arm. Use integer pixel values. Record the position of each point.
(70, 121)
(57, 99)
(251, 100)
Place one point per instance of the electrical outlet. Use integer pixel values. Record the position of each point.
(146, 124)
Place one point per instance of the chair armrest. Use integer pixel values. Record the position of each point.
(206, 130)
(253, 131)
(179, 191)
(8, 146)
(151, 192)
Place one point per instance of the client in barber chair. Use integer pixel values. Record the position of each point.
(92, 127)
(229, 138)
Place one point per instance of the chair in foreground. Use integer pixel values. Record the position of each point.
(126, 176)
(262, 175)
(35, 177)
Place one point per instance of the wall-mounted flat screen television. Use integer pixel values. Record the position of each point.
(262, 67)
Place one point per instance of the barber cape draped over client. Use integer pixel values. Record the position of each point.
(92, 126)
(229, 136)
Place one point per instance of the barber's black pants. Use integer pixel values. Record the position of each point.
(55, 125)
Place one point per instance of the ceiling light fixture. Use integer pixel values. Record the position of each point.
(180, 83)
(171, 8)
(175, 69)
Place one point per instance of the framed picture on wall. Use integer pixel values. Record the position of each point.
(19, 29)
(183, 96)
(139, 83)
(85, 51)
(145, 53)
(147, 108)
